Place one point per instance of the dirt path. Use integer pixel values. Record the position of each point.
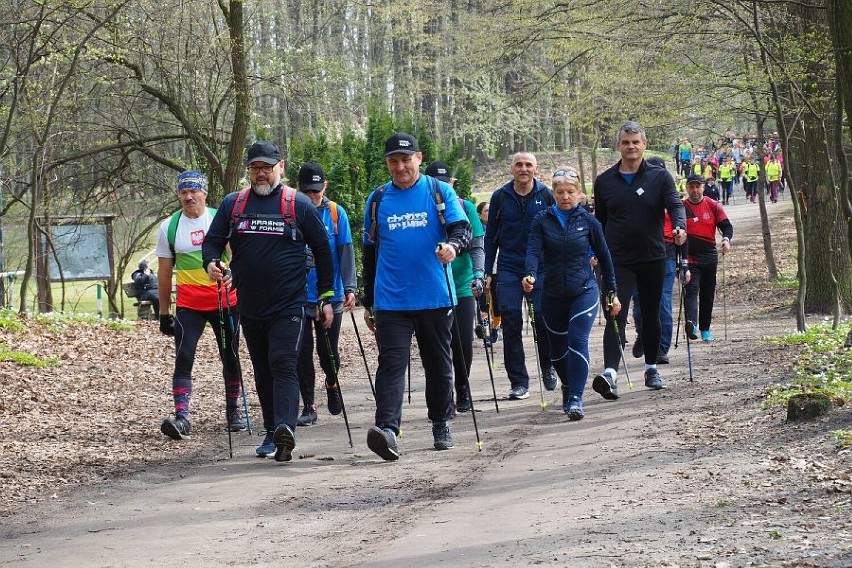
(694, 475)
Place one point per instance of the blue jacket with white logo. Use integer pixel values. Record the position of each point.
(562, 251)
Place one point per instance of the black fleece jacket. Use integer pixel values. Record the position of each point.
(632, 214)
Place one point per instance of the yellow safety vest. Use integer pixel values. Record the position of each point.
(773, 171)
(751, 172)
(726, 172)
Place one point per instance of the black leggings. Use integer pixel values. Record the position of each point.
(700, 293)
(647, 278)
(463, 356)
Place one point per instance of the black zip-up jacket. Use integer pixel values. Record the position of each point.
(632, 215)
(563, 253)
(509, 224)
(269, 266)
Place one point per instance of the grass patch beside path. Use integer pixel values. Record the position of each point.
(824, 365)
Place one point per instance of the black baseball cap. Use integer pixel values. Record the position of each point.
(401, 143)
(440, 171)
(311, 177)
(262, 151)
(694, 178)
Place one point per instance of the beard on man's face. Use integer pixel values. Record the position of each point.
(262, 189)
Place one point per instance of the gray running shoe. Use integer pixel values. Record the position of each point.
(604, 385)
(653, 380)
(442, 436)
(285, 441)
(519, 393)
(382, 441)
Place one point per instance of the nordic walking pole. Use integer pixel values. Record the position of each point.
(609, 302)
(681, 275)
(334, 370)
(234, 337)
(489, 304)
(219, 287)
(363, 355)
(724, 298)
(679, 271)
(486, 333)
(409, 375)
(458, 337)
(535, 342)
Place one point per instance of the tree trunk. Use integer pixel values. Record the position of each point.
(839, 18)
(771, 266)
(236, 30)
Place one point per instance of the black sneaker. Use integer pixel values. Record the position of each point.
(383, 443)
(176, 428)
(235, 420)
(550, 379)
(285, 441)
(638, 348)
(604, 385)
(462, 404)
(308, 417)
(441, 435)
(691, 330)
(653, 380)
(519, 393)
(662, 359)
(335, 403)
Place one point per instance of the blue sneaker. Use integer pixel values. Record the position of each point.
(573, 407)
(267, 448)
(706, 335)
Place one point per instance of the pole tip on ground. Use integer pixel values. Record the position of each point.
(479, 446)
(543, 405)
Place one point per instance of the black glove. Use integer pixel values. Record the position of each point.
(477, 286)
(479, 330)
(167, 324)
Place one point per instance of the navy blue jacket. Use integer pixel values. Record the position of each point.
(509, 220)
(632, 214)
(563, 253)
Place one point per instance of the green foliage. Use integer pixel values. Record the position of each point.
(9, 321)
(824, 365)
(785, 283)
(58, 321)
(25, 359)
(843, 437)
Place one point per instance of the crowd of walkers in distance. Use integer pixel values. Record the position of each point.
(729, 163)
(277, 264)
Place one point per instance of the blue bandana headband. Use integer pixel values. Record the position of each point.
(192, 180)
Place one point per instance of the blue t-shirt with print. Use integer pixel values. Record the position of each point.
(343, 237)
(408, 274)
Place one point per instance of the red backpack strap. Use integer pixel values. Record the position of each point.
(240, 203)
(288, 203)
